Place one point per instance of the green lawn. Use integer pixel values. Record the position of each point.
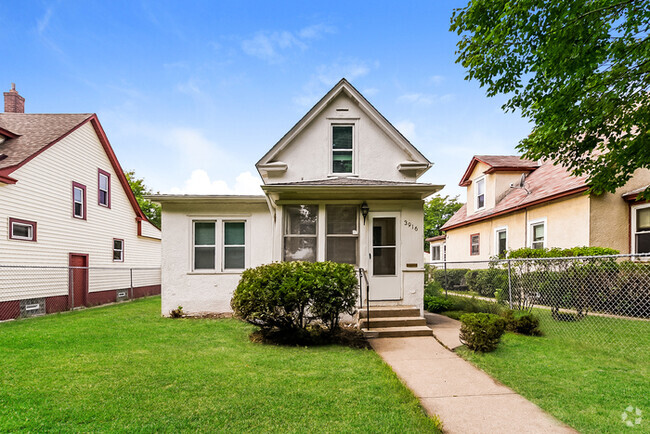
(579, 379)
(123, 368)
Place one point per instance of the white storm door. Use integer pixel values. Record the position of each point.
(384, 260)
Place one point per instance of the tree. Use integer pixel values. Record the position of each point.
(579, 69)
(150, 209)
(437, 211)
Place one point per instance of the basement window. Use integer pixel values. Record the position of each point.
(22, 230)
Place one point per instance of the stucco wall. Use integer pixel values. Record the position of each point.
(610, 215)
(207, 291)
(308, 156)
(567, 223)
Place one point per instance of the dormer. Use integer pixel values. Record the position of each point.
(488, 179)
(342, 136)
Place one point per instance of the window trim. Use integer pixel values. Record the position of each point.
(223, 244)
(122, 251)
(476, 182)
(342, 123)
(83, 189)
(101, 172)
(633, 231)
(219, 240)
(471, 244)
(496, 238)
(194, 245)
(435, 246)
(530, 232)
(24, 223)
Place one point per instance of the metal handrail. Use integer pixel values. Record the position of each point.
(364, 275)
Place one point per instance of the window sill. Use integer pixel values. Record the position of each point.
(342, 175)
(213, 273)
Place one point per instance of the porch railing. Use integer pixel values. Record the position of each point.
(363, 276)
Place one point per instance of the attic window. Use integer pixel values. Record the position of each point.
(342, 149)
(480, 193)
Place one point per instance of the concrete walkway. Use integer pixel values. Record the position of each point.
(466, 399)
(445, 329)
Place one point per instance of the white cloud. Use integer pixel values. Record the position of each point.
(436, 79)
(271, 46)
(44, 22)
(327, 76)
(424, 99)
(370, 91)
(200, 183)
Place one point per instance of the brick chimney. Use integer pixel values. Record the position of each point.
(14, 103)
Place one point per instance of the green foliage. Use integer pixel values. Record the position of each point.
(451, 280)
(433, 288)
(486, 282)
(177, 313)
(481, 331)
(579, 69)
(437, 211)
(437, 304)
(524, 323)
(150, 209)
(288, 296)
(527, 252)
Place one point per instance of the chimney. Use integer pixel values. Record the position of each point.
(14, 103)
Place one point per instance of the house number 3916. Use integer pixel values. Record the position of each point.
(410, 225)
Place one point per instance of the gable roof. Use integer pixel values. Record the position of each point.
(350, 181)
(498, 163)
(343, 86)
(37, 132)
(546, 183)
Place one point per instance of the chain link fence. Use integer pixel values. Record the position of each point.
(600, 298)
(27, 291)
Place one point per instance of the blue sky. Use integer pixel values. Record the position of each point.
(192, 94)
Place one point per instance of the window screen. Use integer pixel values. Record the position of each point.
(300, 228)
(342, 233)
(342, 149)
(234, 245)
(537, 236)
(204, 246)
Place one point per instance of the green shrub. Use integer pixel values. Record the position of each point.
(524, 323)
(527, 252)
(474, 305)
(486, 282)
(452, 280)
(433, 289)
(437, 304)
(481, 331)
(288, 296)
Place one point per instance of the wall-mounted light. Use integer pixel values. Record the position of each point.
(365, 209)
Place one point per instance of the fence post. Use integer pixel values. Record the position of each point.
(509, 286)
(71, 301)
(131, 276)
(446, 279)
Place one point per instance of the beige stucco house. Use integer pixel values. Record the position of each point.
(64, 201)
(514, 203)
(341, 185)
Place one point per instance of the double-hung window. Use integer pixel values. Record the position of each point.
(104, 188)
(342, 233)
(435, 253)
(234, 245)
(475, 244)
(22, 230)
(300, 232)
(78, 200)
(118, 250)
(480, 193)
(641, 228)
(219, 245)
(342, 149)
(537, 234)
(501, 240)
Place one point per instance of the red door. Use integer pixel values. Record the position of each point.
(78, 279)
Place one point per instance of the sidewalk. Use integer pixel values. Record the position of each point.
(466, 399)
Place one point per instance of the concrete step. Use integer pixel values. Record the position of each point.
(396, 332)
(400, 321)
(389, 311)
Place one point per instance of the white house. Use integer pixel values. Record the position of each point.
(339, 186)
(64, 201)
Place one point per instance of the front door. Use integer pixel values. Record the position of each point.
(78, 279)
(383, 267)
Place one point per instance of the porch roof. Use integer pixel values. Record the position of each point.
(205, 198)
(350, 188)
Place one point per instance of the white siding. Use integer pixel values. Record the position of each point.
(44, 194)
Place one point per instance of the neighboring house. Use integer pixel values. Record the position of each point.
(64, 201)
(339, 186)
(437, 248)
(514, 203)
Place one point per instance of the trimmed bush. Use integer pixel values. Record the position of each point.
(451, 280)
(433, 289)
(486, 282)
(289, 296)
(522, 322)
(437, 304)
(481, 331)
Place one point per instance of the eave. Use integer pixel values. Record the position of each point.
(347, 192)
(205, 199)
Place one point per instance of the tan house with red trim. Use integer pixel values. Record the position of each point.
(64, 201)
(514, 203)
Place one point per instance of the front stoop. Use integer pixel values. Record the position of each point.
(393, 322)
